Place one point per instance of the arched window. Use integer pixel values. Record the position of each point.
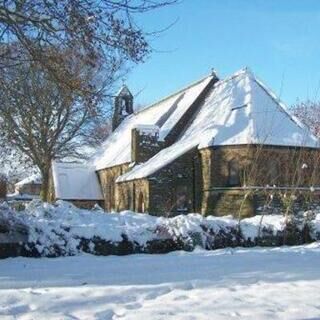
(134, 197)
(273, 168)
(111, 197)
(141, 206)
(129, 199)
(182, 198)
(125, 106)
(233, 173)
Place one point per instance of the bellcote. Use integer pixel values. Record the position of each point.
(123, 106)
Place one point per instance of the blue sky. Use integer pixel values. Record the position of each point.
(278, 39)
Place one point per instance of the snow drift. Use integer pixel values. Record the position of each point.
(62, 229)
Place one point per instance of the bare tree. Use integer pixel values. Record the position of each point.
(42, 119)
(100, 129)
(58, 61)
(101, 31)
(308, 112)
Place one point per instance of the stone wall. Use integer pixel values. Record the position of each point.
(107, 178)
(266, 166)
(176, 188)
(133, 195)
(293, 166)
(145, 144)
(246, 203)
(199, 181)
(172, 190)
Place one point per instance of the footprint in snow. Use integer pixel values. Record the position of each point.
(158, 293)
(181, 298)
(105, 315)
(14, 310)
(133, 306)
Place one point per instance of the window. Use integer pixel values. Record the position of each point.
(233, 173)
(125, 106)
(182, 198)
(273, 168)
(111, 195)
(134, 197)
(141, 206)
(129, 199)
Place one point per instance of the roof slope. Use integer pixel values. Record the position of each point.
(165, 114)
(33, 179)
(75, 181)
(239, 110)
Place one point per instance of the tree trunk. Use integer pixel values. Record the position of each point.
(3, 187)
(44, 193)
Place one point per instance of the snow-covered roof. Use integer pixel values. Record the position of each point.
(33, 179)
(164, 114)
(21, 197)
(75, 181)
(124, 91)
(239, 110)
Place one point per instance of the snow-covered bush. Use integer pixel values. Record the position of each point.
(63, 229)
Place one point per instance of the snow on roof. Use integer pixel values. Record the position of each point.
(75, 181)
(239, 110)
(147, 127)
(33, 179)
(124, 90)
(165, 114)
(21, 197)
(160, 160)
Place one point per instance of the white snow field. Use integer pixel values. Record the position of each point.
(259, 283)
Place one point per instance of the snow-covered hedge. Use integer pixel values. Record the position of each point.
(62, 229)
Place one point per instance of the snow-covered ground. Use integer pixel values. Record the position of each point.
(278, 283)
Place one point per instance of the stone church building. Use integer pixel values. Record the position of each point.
(215, 147)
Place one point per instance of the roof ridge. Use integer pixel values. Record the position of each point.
(236, 74)
(174, 93)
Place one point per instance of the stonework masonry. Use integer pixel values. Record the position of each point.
(261, 166)
(145, 144)
(134, 195)
(107, 178)
(175, 188)
(198, 182)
